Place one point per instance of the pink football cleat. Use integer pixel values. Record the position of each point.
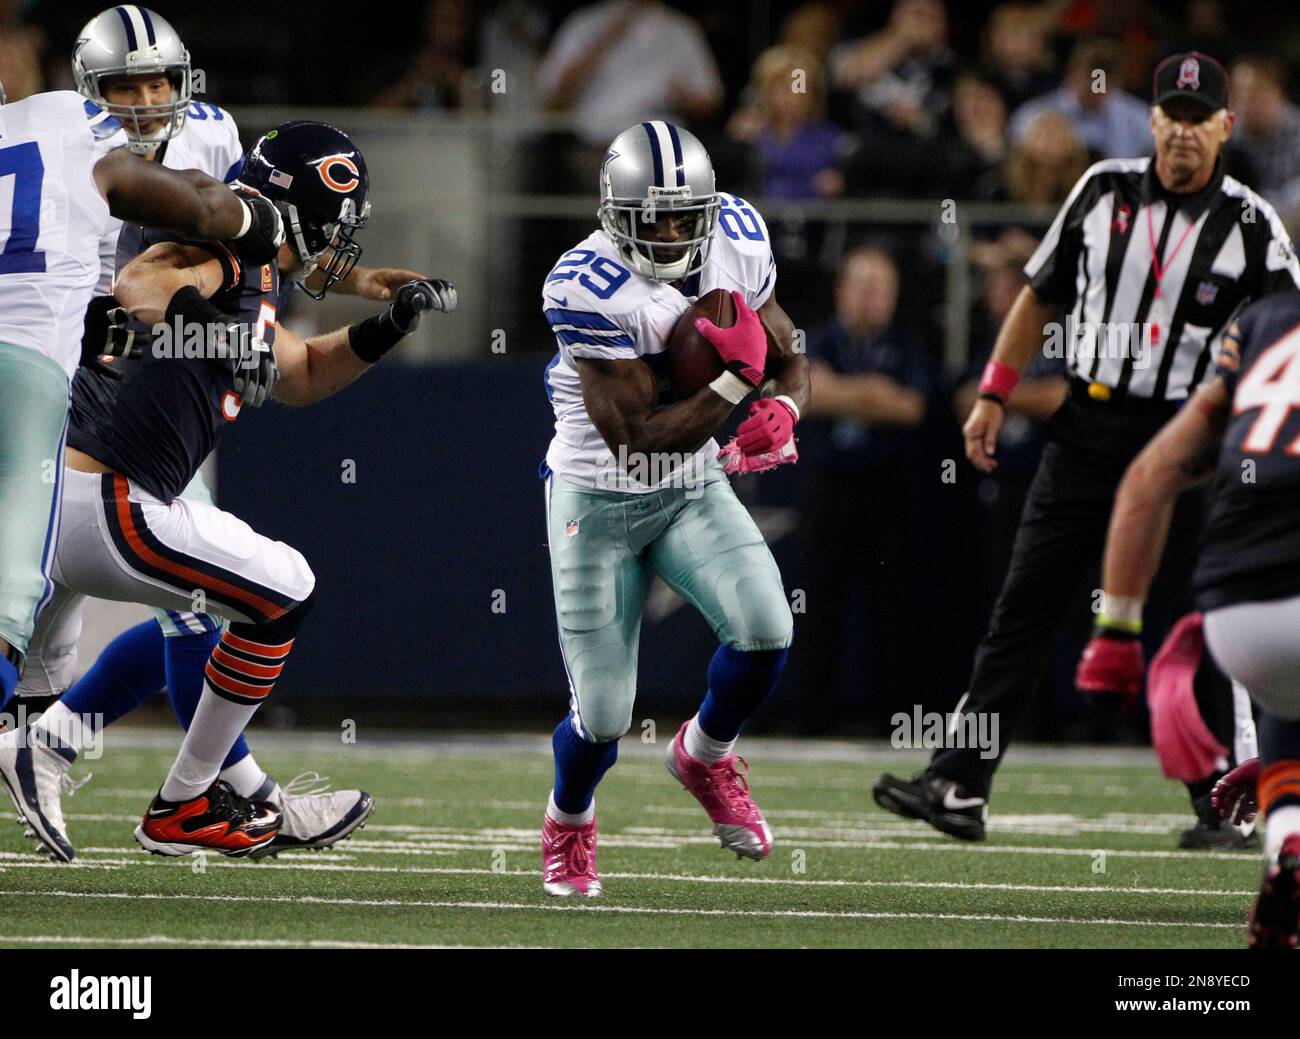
(720, 786)
(569, 859)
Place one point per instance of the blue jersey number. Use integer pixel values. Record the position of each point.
(203, 110)
(609, 276)
(738, 220)
(23, 163)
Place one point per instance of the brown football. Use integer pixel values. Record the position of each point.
(693, 363)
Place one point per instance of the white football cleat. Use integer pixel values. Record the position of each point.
(313, 816)
(34, 774)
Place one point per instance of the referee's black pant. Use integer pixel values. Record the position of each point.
(1061, 536)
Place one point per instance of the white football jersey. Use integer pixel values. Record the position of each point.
(52, 217)
(598, 307)
(209, 143)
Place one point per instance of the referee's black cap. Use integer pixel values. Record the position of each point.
(1192, 77)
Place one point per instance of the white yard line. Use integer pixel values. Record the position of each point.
(800, 914)
(874, 753)
(308, 863)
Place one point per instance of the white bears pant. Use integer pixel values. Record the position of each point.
(119, 542)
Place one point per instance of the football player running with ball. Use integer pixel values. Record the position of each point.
(667, 237)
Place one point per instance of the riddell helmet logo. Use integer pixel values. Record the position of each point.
(1189, 74)
(338, 172)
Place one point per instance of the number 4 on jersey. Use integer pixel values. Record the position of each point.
(1273, 384)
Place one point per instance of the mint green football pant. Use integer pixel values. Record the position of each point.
(33, 422)
(606, 546)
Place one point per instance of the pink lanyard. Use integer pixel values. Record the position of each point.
(1161, 269)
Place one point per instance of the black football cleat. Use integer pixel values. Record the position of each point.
(217, 820)
(942, 802)
(1275, 916)
(1212, 833)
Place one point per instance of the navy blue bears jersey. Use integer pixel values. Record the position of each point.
(162, 419)
(1251, 548)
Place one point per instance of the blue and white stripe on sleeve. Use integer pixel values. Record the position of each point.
(586, 328)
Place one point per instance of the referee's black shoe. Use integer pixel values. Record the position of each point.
(942, 802)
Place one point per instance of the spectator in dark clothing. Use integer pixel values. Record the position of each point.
(439, 76)
(1016, 52)
(897, 85)
(972, 160)
(869, 395)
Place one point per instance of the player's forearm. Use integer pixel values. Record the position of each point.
(1139, 527)
(1022, 333)
(146, 286)
(679, 428)
(1180, 456)
(788, 370)
(328, 365)
(789, 377)
(184, 201)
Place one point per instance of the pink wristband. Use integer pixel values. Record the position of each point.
(999, 379)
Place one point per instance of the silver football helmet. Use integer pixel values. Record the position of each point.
(130, 40)
(652, 170)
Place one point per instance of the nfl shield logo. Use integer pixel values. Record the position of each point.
(1206, 291)
(1189, 74)
(571, 529)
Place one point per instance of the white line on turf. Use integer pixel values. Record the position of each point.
(308, 862)
(800, 914)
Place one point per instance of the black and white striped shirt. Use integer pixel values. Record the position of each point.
(1152, 329)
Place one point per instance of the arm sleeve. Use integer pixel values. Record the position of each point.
(1280, 268)
(589, 333)
(1227, 359)
(1051, 271)
(105, 130)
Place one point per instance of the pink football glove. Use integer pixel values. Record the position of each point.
(769, 427)
(735, 461)
(1110, 671)
(764, 440)
(743, 346)
(1234, 796)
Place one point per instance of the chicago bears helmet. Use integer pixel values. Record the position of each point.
(316, 176)
(131, 41)
(652, 170)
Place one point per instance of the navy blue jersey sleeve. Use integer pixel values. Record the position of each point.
(1227, 363)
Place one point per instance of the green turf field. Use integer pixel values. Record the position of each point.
(1080, 853)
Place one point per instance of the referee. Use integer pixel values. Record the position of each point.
(1147, 261)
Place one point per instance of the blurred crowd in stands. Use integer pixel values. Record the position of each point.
(826, 98)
